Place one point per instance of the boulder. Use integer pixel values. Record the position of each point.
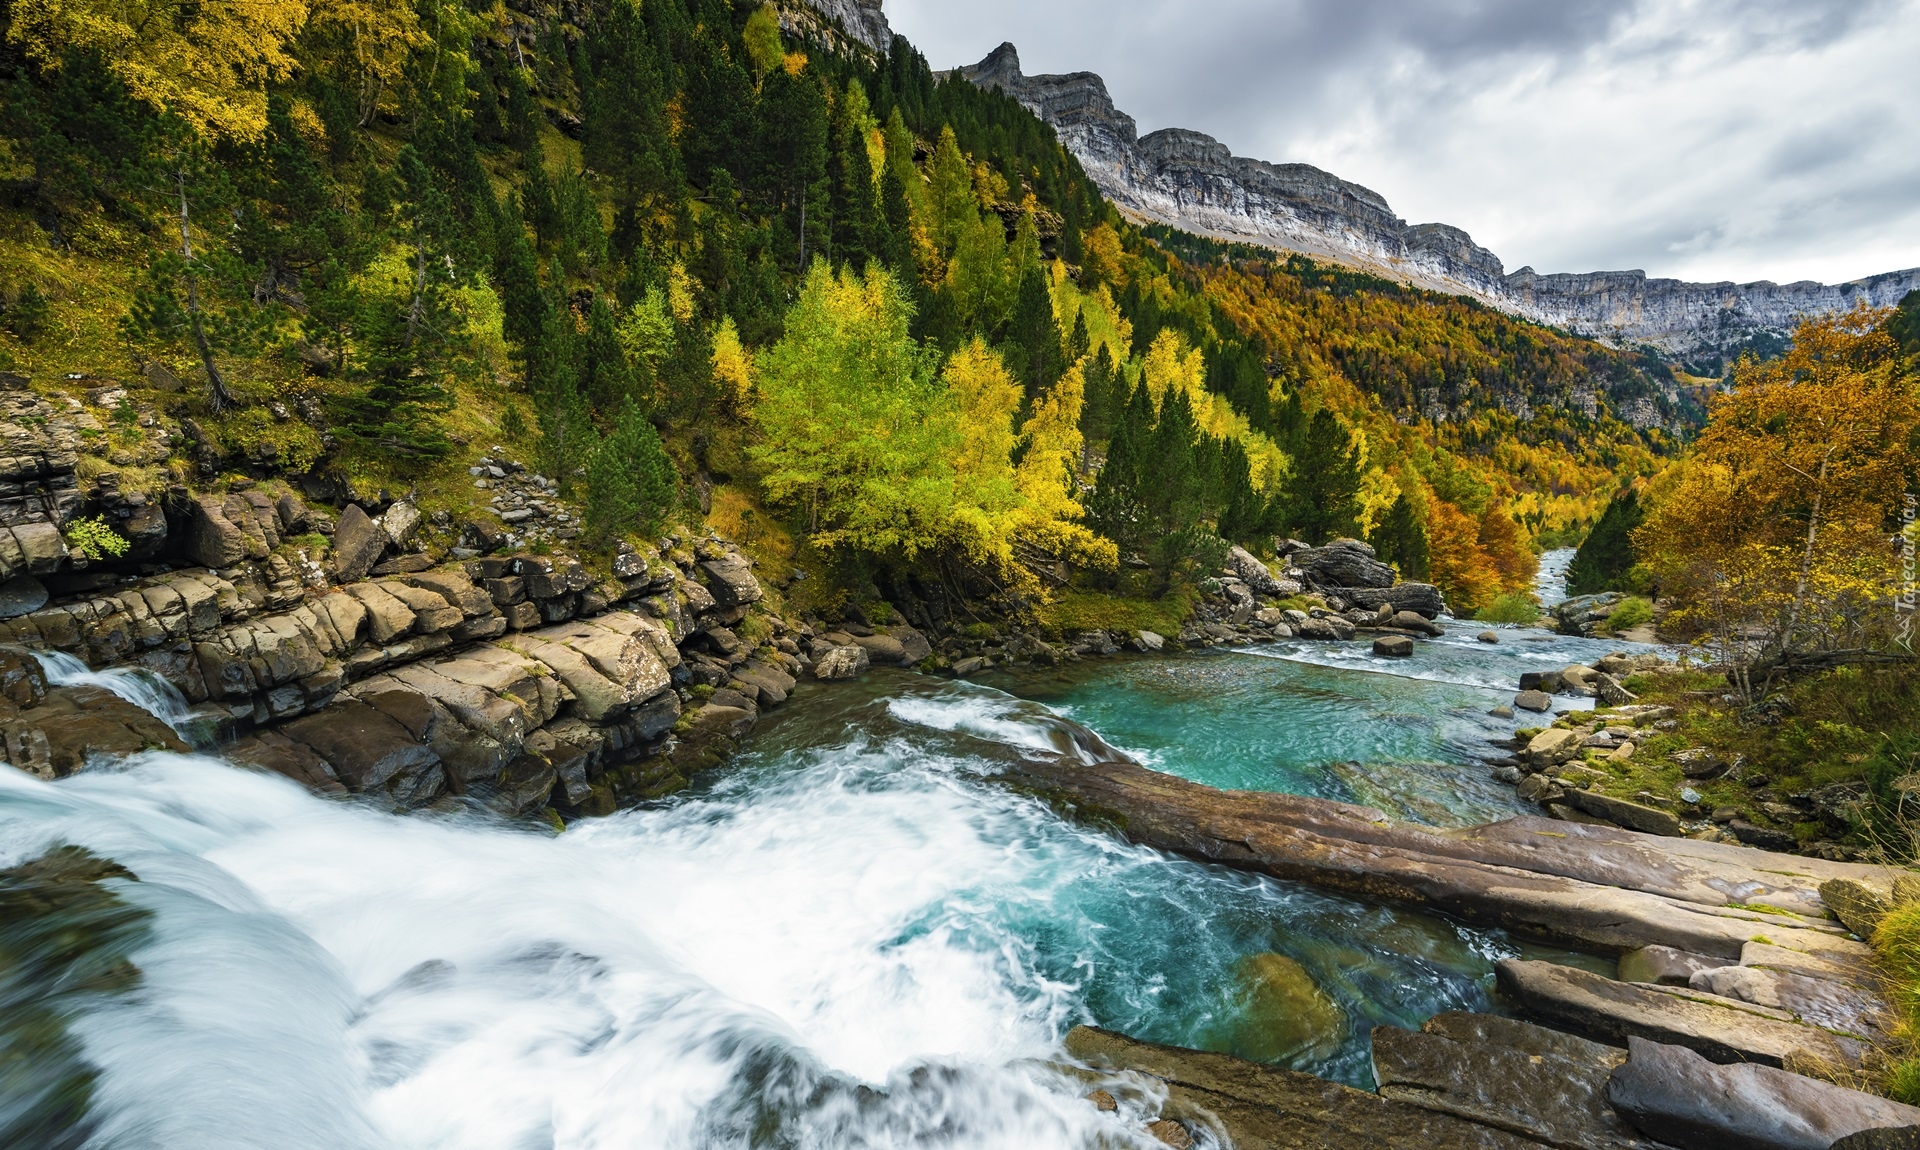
(1253, 573)
(357, 544)
(912, 642)
(1856, 902)
(1533, 701)
(1393, 646)
(1286, 1015)
(213, 540)
(1415, 621)
(21, 595)
(1609, 692)
(1837, 1006)
(399, 522)
(1551, 746)
(1674, 1094)
(1548, 1089)
(1343, 563)
(841, 663)
(1664, 965)
(970, 665)
(730, 581)
(884, 649)
(1488, 636)
(1421, 598)
(365, 747)
(1631, 815)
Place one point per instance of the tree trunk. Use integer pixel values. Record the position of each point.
(222, 398)
(1806, 556)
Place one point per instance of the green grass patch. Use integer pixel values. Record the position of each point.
(1075, 610)
(1631, 612)
(1513, 607)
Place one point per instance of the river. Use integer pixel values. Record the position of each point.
(853, 937)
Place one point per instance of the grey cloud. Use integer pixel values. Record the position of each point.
(1395, 95)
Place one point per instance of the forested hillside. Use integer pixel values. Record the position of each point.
(690, 264)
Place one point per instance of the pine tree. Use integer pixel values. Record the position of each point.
(1172, 491)
(630, 482)
(409, 335)
(1607, 554)
(606, 378)
(1034, 338)
(1321, 499)
(1401, 539)
(1243, 514)
(1116, 506)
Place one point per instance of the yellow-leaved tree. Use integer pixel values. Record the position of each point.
(208, 63)
(1778, 540)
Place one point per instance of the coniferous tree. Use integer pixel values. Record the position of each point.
(1034, 338)
(1103, 398)
(1321, 499)
(1116, 506)
(606, 378)
(409, 336)
(1243, 514)
(1173, 494)
(630, 481)
(1607, 554)
(1401, 539)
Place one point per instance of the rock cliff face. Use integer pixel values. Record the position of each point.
(1194, 182)
(860, 20)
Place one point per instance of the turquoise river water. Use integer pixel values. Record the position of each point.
(854, 937)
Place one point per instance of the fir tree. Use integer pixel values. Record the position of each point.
(1401, 539)
(1116, 506)
(1607, 554)
(630, 482)
(1321, 500)
(1034, 338)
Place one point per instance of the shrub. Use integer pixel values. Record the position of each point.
(1631, 612)
(96, 539)
(1513, 607)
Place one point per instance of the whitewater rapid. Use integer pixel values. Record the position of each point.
(855, 938)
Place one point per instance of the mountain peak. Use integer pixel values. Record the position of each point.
(1192, 181)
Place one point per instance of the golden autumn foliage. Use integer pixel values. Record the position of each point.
(209, 64)
(1778, 535)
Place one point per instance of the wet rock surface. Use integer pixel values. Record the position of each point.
(1696, 1105)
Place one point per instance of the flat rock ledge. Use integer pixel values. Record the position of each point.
(1255, 1107)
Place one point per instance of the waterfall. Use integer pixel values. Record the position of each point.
(852, 938)
(136, 685)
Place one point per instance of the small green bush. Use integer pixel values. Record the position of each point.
(1630, 613)
(1513, 607)
(96, 539)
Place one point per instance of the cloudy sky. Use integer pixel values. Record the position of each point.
(1705, 139)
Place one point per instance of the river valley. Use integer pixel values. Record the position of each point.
(856, 935)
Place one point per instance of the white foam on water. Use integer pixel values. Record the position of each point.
(136, 685)
(823, 951)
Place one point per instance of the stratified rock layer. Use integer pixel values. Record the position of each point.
(1194, 182)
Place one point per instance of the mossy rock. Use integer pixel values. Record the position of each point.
(1284, 1016)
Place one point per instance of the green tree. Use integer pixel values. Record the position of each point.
(1607, 554)
(854, 429)
(1033, 338)
(1321, 499)
(630, 481)
(1401, 539)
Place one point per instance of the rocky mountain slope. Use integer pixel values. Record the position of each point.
(1192, 181)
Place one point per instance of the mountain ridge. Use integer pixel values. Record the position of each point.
(1189, 180)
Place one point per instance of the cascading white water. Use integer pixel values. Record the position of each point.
(326, 975)
(854, 939)
(136, 685)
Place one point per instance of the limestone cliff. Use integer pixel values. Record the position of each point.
(1194, 182)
